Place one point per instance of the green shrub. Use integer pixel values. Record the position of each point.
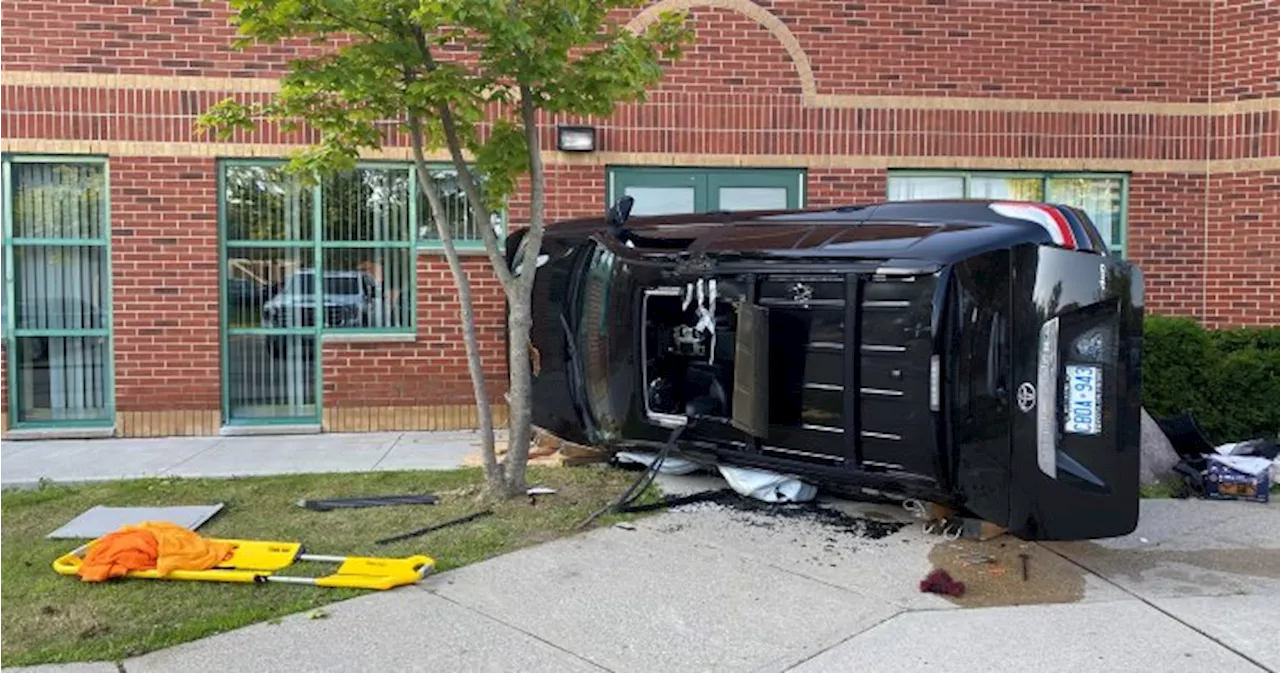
(1176, 361)
(1230, 379)
(1261, 338)
(1245, 395)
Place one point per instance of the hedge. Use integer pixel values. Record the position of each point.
(1230, 378)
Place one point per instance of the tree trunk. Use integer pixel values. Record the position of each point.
(520, 319)
(519, 411)
(492, 470)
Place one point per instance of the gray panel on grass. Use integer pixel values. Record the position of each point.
(102, 520)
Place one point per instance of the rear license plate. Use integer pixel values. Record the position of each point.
(1084, 399)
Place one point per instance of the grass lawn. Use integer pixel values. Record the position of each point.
(51, 618)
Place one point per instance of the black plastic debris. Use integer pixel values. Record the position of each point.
(1185, 435)
(435, 527)
(327, 504)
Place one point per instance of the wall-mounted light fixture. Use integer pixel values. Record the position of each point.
(576, 138)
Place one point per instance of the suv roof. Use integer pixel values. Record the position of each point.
(938, 230)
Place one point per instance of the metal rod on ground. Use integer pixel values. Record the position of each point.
(435, 527)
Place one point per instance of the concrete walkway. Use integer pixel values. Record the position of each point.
(25, 463)
(708, 587)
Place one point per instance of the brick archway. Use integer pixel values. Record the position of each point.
(752, 11)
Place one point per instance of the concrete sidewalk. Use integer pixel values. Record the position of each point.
(25, 463)
(708, 587)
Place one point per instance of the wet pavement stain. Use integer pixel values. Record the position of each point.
(992, 573)
(1200, 568)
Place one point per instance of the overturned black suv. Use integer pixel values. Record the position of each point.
(982, 354)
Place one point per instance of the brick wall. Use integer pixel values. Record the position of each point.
(433, 369)
(1243, 208)
(1244, 248)
(839, 187)
(164, 240)
(142, 37)
(1167, 235)
(1246, 49)
(734, 54)
(766, 84)
(1101, 49)
(1115, 50)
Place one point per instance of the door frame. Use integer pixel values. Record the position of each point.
(10, 331)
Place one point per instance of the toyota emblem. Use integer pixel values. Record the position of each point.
(1026, 396)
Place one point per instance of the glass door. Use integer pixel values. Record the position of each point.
(671, 191)
(58, 292)
(661, 192)
(755, 189)
(270, 297)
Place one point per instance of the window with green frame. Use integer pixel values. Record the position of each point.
(359, 230)
(666, 191)
(351, 233)
(57, 291)
(463, 225)
(1104, 196)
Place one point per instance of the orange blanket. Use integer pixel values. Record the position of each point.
(155, 545)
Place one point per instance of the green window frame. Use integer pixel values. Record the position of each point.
(340, 229)
(1069, 188)
(706, 184)
(80, 380)
(466, 234)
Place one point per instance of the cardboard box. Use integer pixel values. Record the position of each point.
(1221, 482)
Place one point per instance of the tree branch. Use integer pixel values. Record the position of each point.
(472, 189)
(466, 177)
(537, 180)
(319, 7)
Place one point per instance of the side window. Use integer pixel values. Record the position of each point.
(594, 335)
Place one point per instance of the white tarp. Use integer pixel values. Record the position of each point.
(669, 466)
(759, 484)
(767, 486)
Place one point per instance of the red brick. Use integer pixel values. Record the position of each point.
(1206, 242)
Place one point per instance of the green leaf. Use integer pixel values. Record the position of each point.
(381, 66)
(502, 159)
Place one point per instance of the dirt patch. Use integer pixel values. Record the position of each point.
(992, 573)
(95, 631)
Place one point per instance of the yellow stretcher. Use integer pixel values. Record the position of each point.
(254, 561)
